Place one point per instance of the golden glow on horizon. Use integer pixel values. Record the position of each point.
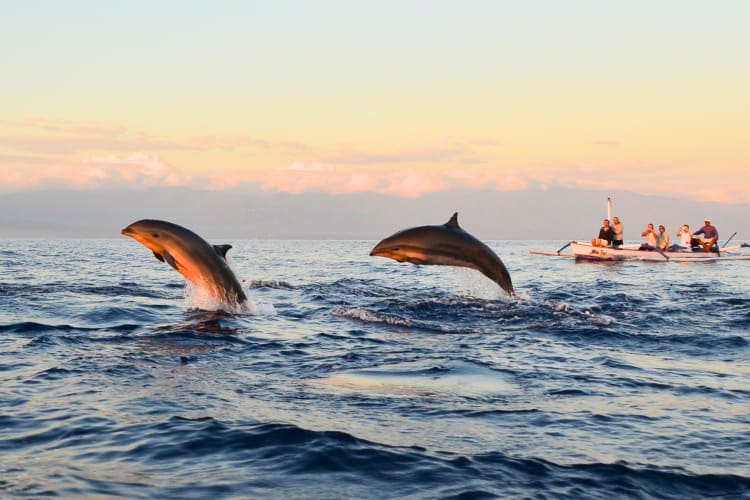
(654, 99)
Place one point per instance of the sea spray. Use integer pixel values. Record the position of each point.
(198, 298)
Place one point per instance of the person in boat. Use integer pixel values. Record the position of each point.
(617, 227)
(606, 235)
(651, 237)
(686, 238)
(662, 239)
(710, 236)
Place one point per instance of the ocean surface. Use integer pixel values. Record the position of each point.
(350, 376)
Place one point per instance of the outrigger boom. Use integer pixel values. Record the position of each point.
(585, 251)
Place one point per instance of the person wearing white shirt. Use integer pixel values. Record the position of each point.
(650, 235)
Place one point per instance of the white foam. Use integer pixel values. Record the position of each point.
(564, 307)
(199, 298)
(267, 284)
(369, 317)
(602, 320)
(404, 380)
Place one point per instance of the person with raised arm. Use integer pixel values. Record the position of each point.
(685, 239)
(650, 235)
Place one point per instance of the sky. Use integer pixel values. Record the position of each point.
(400, 98)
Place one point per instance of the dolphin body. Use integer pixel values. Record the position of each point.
(199, 262)
(445, 245)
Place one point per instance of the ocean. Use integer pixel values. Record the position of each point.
(350, 376)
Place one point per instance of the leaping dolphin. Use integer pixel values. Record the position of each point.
(199, 262)
(445, 245)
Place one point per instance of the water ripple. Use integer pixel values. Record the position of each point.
(354, 377)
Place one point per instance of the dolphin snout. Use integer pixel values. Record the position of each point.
(377, 250)
(127, 231)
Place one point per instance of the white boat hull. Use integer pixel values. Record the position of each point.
(587, 251)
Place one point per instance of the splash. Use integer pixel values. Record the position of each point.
(198, 298)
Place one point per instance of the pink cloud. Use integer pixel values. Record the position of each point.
(435, 153)
(143, 170)
(227, 143)
(314, 167)
(412, 184)
(43, 156)
(301, 177)
(484, 141)
(137, 170)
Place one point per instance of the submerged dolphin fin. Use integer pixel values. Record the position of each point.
(222, 250)
(158, 256)
(453, 223)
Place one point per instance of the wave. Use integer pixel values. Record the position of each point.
(273, 284)
(124, 289)
(35, 327)
(366, 316)
(193, 458)
(352, 380)
(470, 315)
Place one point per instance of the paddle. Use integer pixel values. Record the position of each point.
(662, 253)
(730, 239)
(564, 247)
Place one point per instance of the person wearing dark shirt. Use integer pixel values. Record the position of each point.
(710, 236)
(606, 235)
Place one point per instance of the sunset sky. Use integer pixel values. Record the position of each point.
(398, 97)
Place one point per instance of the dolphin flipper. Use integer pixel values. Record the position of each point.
(167, 257)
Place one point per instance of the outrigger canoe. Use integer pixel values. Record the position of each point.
(586, 251)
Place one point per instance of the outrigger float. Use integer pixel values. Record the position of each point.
(586, 251)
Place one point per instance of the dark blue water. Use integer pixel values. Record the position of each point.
(358, 377)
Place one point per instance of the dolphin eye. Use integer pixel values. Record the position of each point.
(155, 235)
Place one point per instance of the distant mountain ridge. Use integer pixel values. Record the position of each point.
(562, 214)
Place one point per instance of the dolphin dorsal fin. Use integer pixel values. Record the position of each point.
(453, 223)
(222, 250)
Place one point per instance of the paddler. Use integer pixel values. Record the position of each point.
(710, 235)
